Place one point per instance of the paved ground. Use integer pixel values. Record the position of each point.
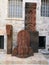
(47, 57)
(37, 59)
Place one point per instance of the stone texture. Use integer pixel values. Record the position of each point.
(37, 59)
(9, 32)
(34, 41)
(30, 16)
(23, 48)
(40, 21)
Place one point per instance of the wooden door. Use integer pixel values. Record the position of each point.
(30, 16)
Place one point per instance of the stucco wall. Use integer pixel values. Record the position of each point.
(42, 24)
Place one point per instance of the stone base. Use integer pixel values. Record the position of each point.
(22, 52)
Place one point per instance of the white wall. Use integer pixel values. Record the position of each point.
(42, 24)
(18, 24)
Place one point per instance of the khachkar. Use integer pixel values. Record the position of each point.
(23, 48)
(9, 31)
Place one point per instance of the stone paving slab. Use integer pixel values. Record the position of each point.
(33, 60)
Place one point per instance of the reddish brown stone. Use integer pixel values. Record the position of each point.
(9, 32)
(31, 51)
(15, 51)
(23, 49)
(30, 27)
(23, 38)
(30, 16)
(9, 29)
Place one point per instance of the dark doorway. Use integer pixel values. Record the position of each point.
(1, 42)
(42, 42)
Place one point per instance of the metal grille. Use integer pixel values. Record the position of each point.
(15, 8)
(45, 8)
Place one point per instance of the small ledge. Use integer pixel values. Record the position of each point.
(17, 19)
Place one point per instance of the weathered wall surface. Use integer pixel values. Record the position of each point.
(42, 24)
